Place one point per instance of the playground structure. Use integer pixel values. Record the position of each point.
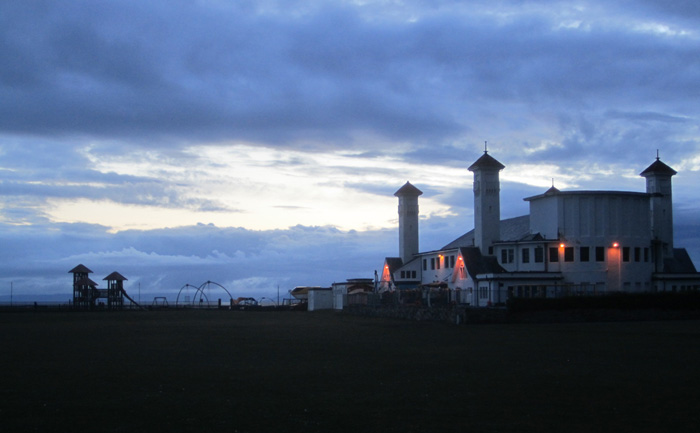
(201, 298)
(86, 295)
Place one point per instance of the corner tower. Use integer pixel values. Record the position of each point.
(658, 176)
(408, 221)
(487, 202)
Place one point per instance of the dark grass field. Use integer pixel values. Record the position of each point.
(211, 371)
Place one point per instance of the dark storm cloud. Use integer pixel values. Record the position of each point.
(207, 70)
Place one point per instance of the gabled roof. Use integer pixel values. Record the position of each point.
(680, 263)
(486, 162)
(115, 276)
(512, 229)
(394, 263)
(552, 190)
(408, 190)
(80, 269)
(658, 167)
(85, 281)
(477, 263)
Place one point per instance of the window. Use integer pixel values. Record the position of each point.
(569, 254)
(625, 254)
(403, 274)
(425, 264)
(526, 255)
(539, 255)
(452, 261)
(413, 274)
(432, 263)
(483, 292)
(637, 254)
(646, 254)
(599, 254)
(553, 254)
(438, 260)
(584, 254)
(507, 255)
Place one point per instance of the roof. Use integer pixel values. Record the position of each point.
(115, 276)
(408, 190)
(551, 191)
(658, 167)
(598, 193)
(486, 162)
(85, 281)
(512, 229)
(80, 269)
(477, 263)
(394, 263)
(680, 263)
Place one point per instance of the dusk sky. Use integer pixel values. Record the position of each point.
(258, 144)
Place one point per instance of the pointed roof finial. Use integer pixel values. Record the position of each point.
(486, 147)
(657, 154)
(552, 182)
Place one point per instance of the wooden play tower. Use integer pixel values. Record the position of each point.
(115, 289)
(86, 295)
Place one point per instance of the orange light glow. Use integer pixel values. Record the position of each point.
(616, 245)
(561, 245)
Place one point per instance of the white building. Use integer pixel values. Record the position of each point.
(571, 241)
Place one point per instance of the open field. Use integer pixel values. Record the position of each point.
(206, 371)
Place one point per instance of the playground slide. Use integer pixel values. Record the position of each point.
(129, 298)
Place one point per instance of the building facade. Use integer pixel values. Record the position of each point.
(571, 242)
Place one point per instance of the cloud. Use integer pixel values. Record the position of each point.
(287, 125)
(206, 71)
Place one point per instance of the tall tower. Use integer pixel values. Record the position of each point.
(487, 202)
(83, 287)
(658, 176)
(408, 221)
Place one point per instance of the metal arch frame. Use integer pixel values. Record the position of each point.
(186, 286)
(269, 299)
(200, 289)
